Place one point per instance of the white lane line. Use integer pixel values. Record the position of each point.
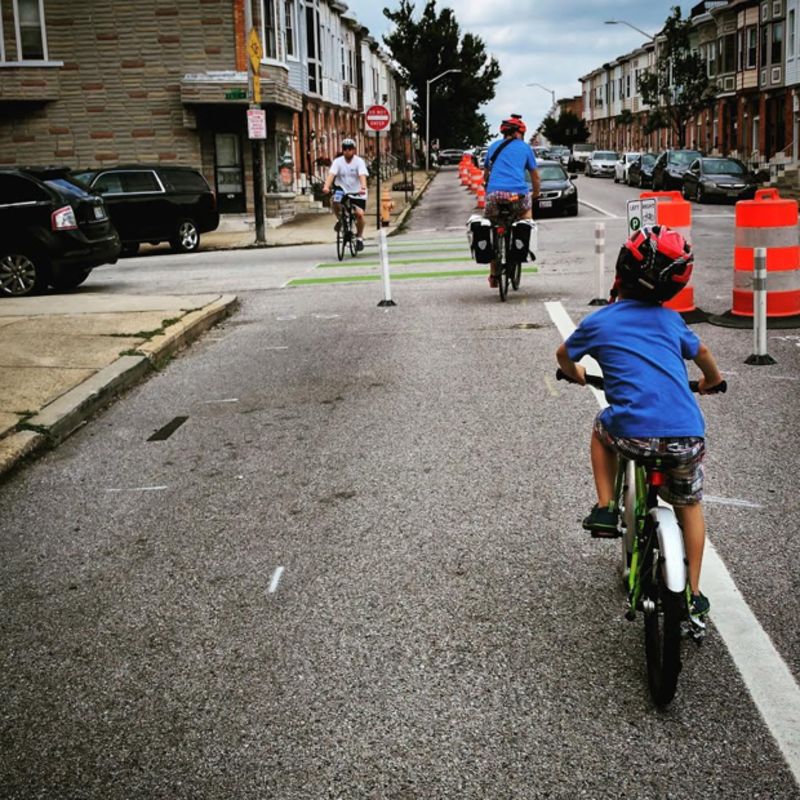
(730, 501)
(278, 347)
(765, 674)
(226, 400)
(601, 210)
(276, 578)
(141, 489)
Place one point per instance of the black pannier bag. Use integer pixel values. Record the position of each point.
(479, 234)
(523, 240)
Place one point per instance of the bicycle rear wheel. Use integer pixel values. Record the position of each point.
(341, 235)
(516, 274)
(501, 252)
(663, 613)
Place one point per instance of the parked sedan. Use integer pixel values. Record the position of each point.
(622, 166)
(156, 203)
(719, 179)
(450, 156)
(640, 172)
(559, 153)
(670, 167)
(558, 194)
(53, 231)
(601, 162)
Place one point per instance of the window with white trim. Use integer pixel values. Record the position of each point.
(269, 30)
(290, 28)
(752, 47)
(313, 49)
(792, 40)
(30, 30)
(777, 43)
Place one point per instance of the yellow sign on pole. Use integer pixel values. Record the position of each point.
(256, 88)
(254, 50)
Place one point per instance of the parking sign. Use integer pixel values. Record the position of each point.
(641, 213)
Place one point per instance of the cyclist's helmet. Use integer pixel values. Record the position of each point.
(654, 264)
(348, 143)
(513, 124)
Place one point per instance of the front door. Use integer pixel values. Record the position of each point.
(229, 173)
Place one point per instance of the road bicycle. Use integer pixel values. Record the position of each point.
(345, 225)
(654, 567)
(508, 268)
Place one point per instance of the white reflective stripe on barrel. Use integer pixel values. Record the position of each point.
(785, 236)
(779, 280)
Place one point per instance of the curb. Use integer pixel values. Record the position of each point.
(401, 218)
(57, 420)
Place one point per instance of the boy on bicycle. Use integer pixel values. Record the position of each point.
(641, 348)
(349, 173)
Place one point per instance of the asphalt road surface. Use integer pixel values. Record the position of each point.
(357, 569)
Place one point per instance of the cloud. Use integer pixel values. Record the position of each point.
(552, 42)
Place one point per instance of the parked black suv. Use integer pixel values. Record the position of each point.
(53, 231)
(670, 166)
(156, 203)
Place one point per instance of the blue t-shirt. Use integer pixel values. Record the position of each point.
(509, 169)
(641, 349)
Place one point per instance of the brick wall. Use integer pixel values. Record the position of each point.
(119, 88)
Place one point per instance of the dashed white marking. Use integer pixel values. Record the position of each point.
(288, 317)
(276, 578)
(730, 501)
(140, 489)
(325, 316)
(226, 400)
(765, 674)
(278, 347)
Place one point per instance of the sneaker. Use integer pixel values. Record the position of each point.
(493, 281)
(359, 245)
(338, 226)
(602, 522)
(699, 605)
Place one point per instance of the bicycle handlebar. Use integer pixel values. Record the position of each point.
(599, 383)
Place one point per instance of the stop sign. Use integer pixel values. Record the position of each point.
(377, 117)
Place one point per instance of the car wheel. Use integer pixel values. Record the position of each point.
(701, 195)
(685, 193)
(573, 211)
(130, 250)
(187, 237)
(70, 280)
(21, 274)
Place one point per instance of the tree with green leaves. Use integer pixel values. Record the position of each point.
(678, 87)
(426, 46)
(568, 129)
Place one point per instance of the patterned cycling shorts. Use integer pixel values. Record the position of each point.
(520, 203)
(682, 458)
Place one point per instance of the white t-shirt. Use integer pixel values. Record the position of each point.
(347, 175)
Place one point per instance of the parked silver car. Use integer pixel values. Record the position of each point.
(601, 162)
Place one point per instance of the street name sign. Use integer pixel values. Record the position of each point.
(377, 118)
(641, 213)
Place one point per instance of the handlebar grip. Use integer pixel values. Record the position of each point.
(720, 388)
(591, 380)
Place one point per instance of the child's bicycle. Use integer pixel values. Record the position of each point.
(654, 566)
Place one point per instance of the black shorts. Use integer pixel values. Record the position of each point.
(358, 202)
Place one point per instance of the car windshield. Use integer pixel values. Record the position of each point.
(69, 186)
(683, 157)
(723, 166)
(631, 156)
(648, 159)
(552, 172)
(603, 155)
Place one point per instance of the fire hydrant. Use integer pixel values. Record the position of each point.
(387, 205)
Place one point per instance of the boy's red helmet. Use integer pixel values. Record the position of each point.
(654, 264)
(513, 124)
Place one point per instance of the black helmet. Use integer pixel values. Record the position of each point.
(654, 264)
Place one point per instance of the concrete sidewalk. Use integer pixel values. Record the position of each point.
(317, 228)
(65, 356)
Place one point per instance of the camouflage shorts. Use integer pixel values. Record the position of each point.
(682, 458)
(520, 203)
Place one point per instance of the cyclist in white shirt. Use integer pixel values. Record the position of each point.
(349, 173)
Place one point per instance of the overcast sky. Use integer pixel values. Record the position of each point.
(552, 42)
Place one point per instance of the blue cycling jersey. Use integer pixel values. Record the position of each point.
(508, 171)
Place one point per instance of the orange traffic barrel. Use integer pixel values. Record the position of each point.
(767, 221)
(676, 213)
(476, 180)
(481, 196)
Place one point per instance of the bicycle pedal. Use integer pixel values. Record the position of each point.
(630, 615)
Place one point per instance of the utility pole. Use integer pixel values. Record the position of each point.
(254, 53)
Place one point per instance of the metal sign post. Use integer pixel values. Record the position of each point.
(378, 118)
(255, 52)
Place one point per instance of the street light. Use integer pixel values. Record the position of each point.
(428, 115)
(552, 93)
(623, 22)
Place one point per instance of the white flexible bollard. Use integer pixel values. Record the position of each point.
(387, 286)
(760, 355)
(599, 266)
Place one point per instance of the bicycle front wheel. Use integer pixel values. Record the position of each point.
(341, 236)
(663, 613)
(351, 233)
(516, 274)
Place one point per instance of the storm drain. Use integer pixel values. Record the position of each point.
(164, 433)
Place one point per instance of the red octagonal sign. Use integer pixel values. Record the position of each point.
(377, 117)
